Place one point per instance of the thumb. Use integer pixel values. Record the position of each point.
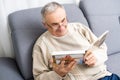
(52, 63)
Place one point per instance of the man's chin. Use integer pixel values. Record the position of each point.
(60, 34)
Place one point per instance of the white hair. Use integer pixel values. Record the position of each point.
(50, 7)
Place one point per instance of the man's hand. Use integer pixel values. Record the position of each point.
(89, 58)
(64, 67)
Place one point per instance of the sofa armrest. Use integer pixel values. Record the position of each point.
(9, 70)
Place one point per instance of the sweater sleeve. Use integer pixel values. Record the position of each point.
(41, 68)
(101, 55)
(100, 52)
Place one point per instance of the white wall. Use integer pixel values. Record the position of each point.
(9, 6)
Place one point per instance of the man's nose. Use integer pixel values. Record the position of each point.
(60, 24)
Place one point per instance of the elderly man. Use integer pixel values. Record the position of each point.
(64, 36)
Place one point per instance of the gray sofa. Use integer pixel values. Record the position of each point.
(26, 27)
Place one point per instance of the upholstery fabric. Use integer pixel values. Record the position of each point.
(9, 69)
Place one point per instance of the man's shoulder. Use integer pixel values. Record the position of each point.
(41, 38)
(77, 25)
(74, 23)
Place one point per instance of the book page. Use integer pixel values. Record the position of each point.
(100, 40)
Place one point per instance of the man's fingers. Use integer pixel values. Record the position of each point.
(89, 61)
(71, 65)
(62, 64)
(87, 55)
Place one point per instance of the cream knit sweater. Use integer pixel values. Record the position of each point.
(78, 37)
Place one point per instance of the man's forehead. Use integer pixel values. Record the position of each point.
(56, 16)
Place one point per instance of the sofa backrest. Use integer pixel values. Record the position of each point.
(104, 15)
(26, 27)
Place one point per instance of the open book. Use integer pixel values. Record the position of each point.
(78, 54)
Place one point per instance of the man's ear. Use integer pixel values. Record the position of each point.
(45, 25)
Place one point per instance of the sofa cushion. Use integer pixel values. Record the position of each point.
(104, 15)
(26, 27)
(114, 64)
(9, 70)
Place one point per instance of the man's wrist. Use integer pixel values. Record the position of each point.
(61, 76)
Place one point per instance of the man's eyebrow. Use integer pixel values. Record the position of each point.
(63, 20)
